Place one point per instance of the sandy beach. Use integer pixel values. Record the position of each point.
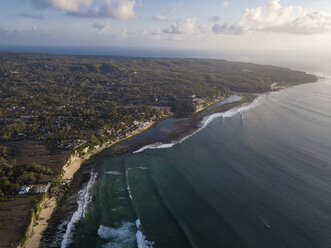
(41, 224)
(75, 162)
(70, 168)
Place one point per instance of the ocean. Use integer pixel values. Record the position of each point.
(255, 176)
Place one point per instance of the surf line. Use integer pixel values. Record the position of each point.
(83, 201)
(205, 122)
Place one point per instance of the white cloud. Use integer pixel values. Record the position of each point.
(226, 29)
(311, 23)
(184, 26)
(156, 34)
(21, 33)
(115, 9)
(163, 18)
(225, 4)
(275, 18)
(165, 15)
(101, 26)
(173, 9)
(269, 16)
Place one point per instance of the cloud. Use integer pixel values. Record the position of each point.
(165, 15)
(226, 29)
(214, 19)
(156, 34)
(311, 23)
(20, 33)
(115, 9)
(173, 9)
(275, 18)
(163, 18)
(225, 4)
(270, 16)
(203, 29)
(184, 26)
(101, 26)
(32, 16)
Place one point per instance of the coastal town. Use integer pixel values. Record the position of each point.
(58, 111)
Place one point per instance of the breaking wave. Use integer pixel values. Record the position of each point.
(115, 173)
(142, 242)
(84, 198)
(124, 236)
(208, 119)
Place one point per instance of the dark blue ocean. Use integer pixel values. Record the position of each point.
(257, 176)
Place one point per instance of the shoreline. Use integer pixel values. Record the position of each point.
(184, 128)
(74, 163)
(70, 168)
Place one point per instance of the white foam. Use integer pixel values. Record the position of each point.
(87, 195)
(84, 199)
(122, 232)
(115, 173)
(128, 186)
(157, 145)
(139, 168)
(142, 168)
(142, 242)
(205, 122)
(120, 237)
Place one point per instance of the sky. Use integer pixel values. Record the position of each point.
(213, 25)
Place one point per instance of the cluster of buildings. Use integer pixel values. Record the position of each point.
(34, 189)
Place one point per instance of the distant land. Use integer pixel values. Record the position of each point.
(56, 107)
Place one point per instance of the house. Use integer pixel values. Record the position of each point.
(40, 188)
(24, 189)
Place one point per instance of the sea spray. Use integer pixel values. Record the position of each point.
(127, 183)
(115, 173)
(205, 122)
(142, 242)
(87, 195)
(123, 236)
(84, 198)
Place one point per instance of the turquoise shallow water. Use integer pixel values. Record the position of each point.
(257, 176)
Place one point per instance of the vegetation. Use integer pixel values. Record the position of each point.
(93, 141)
(12, 177)
(75, 102)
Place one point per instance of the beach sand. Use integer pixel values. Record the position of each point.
(41, 223)
(70, 168)
(74, 163)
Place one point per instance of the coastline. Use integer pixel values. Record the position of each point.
(184, 128)
(74, 163)
(20, 213)
(70, 168)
